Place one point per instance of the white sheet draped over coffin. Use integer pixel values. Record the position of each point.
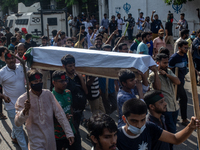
(52, 55)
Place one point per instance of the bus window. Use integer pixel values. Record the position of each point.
(10, 24)
(52, 21)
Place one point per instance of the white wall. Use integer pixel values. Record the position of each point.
(147, 6)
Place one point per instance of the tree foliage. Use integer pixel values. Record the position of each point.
(176, 2)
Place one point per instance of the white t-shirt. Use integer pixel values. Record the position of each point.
(87, 24)
(120, 21)
(13, 84)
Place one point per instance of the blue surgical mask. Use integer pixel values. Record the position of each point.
(136, 130)
(192, 36)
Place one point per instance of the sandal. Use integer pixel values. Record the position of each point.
(2, 116)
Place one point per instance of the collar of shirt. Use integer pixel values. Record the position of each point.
(157, 121)
(12, 45)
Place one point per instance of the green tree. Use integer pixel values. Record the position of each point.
(176, 2)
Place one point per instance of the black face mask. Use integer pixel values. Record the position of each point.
(37, 87)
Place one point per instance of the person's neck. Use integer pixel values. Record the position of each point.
(59, 91)
(144, 41)
(3, 58)
(126, 90)
(38, 93)
(180, 53)
(156, 115)
(70, 75)
(13, 44)
(13, 68)
(183, 37)
(127, 131)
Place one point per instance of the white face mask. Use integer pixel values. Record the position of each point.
(136, 130)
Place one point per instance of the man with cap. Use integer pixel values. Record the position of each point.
(157, 106)
(155, 25)
(131, 25)
(12, 81)
(24, 31)
(103, 33)
(158, 42)
(191, 38)
(38, 113)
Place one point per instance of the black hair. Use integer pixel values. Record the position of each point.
(198, 31)
(105, 14)
(121, 45)
(164, 50)
(112, 16)
(70, 39)
(44, 38)
(107, 46)
(181, 43)
(3, 38)
(7, 28)
(151, 94)
(2, 49)
(15, 47)
(184, 31)
(134, 106)
(98, 35)
(58, 74)
(28, 36)
(118, 14)
(54, 32)
(16, 29)
(82, 27)
(125, 74)
(117, 40)
(13, 39)
(98, 122)
(33, 72)
(144, 35)
(182, 14)
(68, 59)
(62, 33)
(59, 39)
(139, 34)
(98, 38)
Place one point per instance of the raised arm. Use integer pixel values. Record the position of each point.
(111, 36)
(181, 136)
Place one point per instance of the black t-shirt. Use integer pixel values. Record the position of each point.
(168, 26)
(27, 45)
(112, 26)
(8, 36)
(143, 141)
(155, 26)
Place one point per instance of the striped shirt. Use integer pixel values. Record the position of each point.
(93, 90)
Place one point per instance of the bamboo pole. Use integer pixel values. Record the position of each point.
(107, 82)
(194, 92)
(176, 86)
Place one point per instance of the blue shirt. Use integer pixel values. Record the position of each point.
(111, 85)
(195, 46)
(123, 96)
(134, 46)
(181, 62)
(142, 47)
(105, 23)
(150, 48)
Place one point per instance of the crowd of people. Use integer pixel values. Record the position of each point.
(147, 109)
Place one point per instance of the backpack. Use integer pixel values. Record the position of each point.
(78, 95)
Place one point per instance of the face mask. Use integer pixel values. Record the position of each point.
(136, 130)
(192, 36)
(37, 87)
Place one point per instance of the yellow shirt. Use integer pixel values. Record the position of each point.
(189, 42)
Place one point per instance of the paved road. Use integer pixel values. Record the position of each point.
(189, 144)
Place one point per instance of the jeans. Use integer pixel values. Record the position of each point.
(170, 121)
(120, 33)
(183, 100)
(130, 34)
(17, 132)
(77, 120)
